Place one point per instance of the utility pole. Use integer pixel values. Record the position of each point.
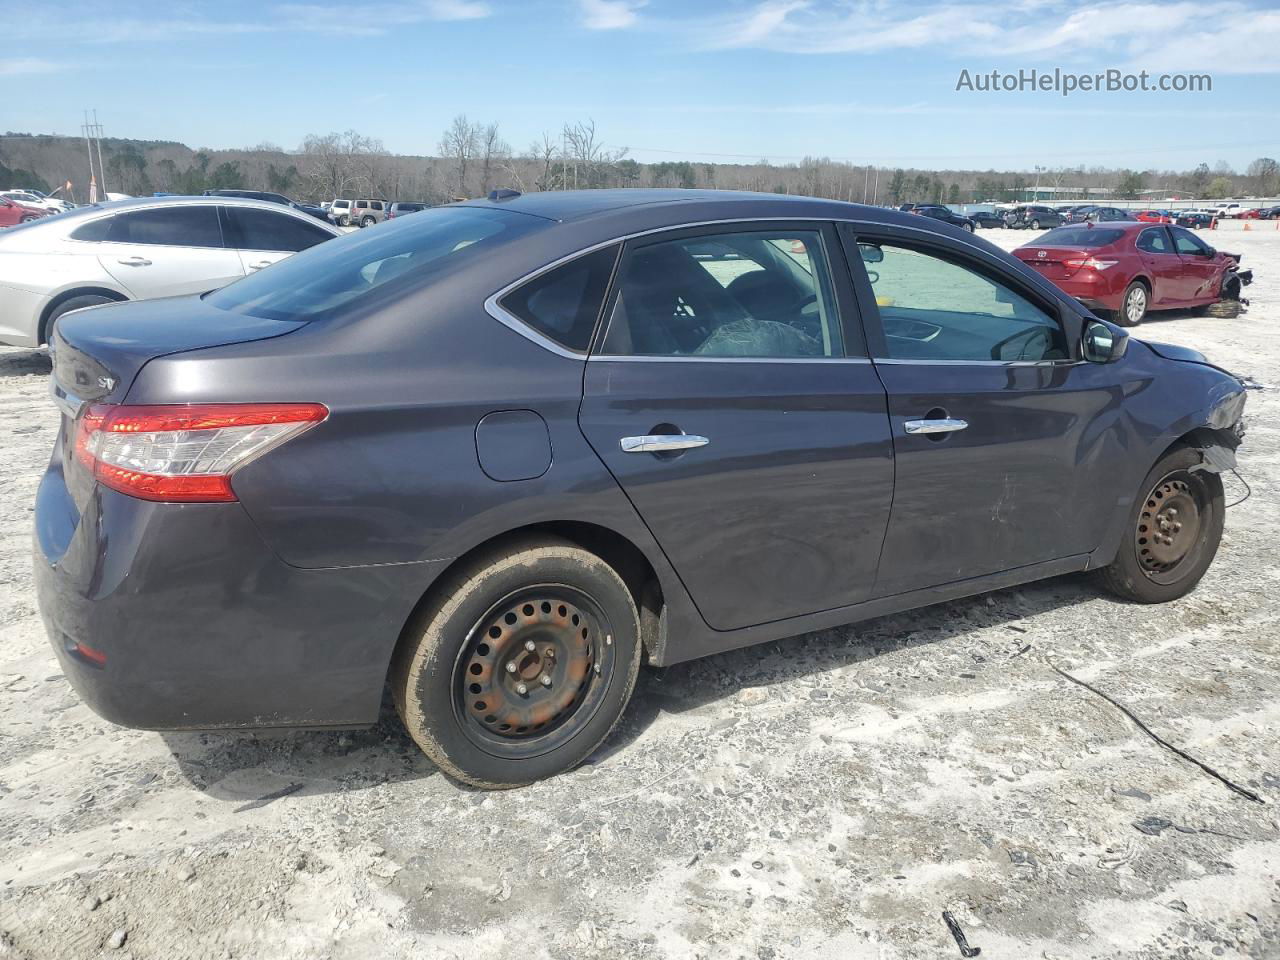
(875, 190)
(102, 171)
(866, 182)
(92, 131)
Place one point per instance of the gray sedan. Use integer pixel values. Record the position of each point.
(498, 453)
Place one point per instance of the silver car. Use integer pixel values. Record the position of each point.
(138, 250)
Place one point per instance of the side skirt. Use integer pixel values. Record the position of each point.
(688, 641)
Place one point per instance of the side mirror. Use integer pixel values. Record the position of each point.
(871, 253)
(1102, 343)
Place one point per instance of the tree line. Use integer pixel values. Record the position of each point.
(473, 158)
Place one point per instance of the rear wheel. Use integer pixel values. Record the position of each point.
(72, 303)
(368, 222)
(1035, 224)
(1133, 305)
(522, 667)
(1173, 532)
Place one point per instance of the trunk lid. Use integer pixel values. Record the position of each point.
(1051, 262)
(97, 352)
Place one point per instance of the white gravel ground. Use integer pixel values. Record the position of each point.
(826, 796)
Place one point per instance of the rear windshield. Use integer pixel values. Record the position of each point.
(1079, 237)
(320, 281)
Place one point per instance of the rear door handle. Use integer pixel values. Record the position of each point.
(661, 443)
(935, 426)
(135, 262)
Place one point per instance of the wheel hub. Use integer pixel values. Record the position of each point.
(529, 666)
(1168, 526)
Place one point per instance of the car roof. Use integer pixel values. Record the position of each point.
(623, 204)
(110, 207)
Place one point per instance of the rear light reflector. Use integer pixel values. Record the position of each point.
(1090, 263)
(184, 452)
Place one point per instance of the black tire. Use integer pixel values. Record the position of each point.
(368, 222)
(344, 221)
(72, 303)
(970, 226)
(1133, 305)
(467, 685)
(1173, 493)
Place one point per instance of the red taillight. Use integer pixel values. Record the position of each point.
(1089, 263)
(184, 453)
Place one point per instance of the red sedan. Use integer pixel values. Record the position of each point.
(1153, 216)
(1130, 268)
(12, 212)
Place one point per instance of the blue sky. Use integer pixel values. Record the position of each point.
(870, 82)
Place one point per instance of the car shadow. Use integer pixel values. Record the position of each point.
(693, 684)
(246, 769)
(21, 362)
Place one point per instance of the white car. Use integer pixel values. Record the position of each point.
(34, 198)
(139, 250)
(1227, 210)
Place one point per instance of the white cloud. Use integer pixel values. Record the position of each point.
(610, 14)
(1241, 37)
(29, 65)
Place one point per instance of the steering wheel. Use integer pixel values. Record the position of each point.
(1030, 337)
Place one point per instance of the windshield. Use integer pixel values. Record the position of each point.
(1079, 237)
(322, 280)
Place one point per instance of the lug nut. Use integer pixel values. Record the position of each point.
(608, 640)
(521, 688)
(511, 667)
(530, 646)
(546, 680)
(597, 667)
(551, 652)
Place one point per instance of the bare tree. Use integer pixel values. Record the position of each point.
(340, 163)
(494, 152)
(590, 162)
(546, 160)
(459, 146)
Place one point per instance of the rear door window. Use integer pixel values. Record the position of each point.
(563, 304)
(194, 226)
(762, 293)
(1154, 241)
(253, 229)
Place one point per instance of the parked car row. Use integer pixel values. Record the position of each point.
(769, 415)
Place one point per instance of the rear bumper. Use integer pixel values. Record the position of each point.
(178, 616)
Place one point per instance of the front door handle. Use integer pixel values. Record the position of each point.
(661, 443)
(135, 262)
(260, 264)
(935, 426)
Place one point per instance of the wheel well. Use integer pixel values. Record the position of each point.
(67, 295)
(614, 549)
(1144, 281)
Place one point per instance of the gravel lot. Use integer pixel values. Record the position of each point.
(825, 796)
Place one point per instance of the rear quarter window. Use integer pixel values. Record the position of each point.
(563, 304)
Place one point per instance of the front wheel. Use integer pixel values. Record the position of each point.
(368, 222)
(521, 667)
(344, 221)
(1035, 224)
(1173, 532)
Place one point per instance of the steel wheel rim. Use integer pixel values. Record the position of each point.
(1136, 304)
(1172, 523)
(496, 661)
